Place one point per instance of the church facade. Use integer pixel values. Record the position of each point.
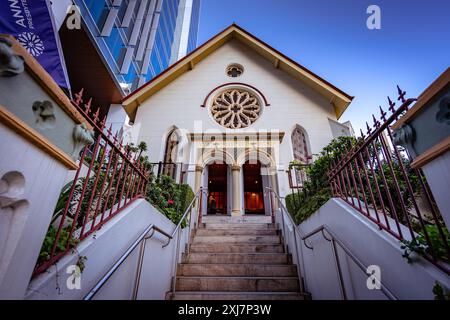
(232, 115)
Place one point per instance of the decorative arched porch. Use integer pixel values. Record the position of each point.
(236, 180)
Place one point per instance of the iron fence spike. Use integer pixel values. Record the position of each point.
(79, 97)
(401, 94)
(391, 105)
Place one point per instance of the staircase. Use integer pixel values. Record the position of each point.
(237, 261)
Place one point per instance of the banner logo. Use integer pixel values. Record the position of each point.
(32, 43)
(31, 23)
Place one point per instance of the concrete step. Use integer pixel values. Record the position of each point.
(237, 239)
(246, 226)
(236, 248)
(237, 270)
(236, 232)
(249, 284)
(204, 295)
(230, 258)
(240, 219)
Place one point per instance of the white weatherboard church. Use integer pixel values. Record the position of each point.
(233, 114)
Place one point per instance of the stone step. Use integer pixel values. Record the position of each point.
(240, 219)
(231, 258)
(248, 284)
(247, 226)
(236, 232)
(237, 239)
(236, 248)
(204, 295)
(237, 270)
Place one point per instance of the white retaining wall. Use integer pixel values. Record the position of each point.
(104, 248)
(372, 247)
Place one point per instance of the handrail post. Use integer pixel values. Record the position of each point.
(349, 253)
(300, 277)
(284, 231)
(338, 269)
(178, 232)
(175, 267)
(139, 269)
(282, 211)
(271, 206)
(200, 205)
(189, 231)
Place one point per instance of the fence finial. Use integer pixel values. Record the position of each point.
(369, 129)
(401, 94)
(103, 123)
(95, 118)
(362, 134)
(109, 131)
(383, 114)
(87, 106)
(376, 123)
(79, 97)
(391, 105)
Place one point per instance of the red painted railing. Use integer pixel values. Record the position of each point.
(376, 179)
(108, 179)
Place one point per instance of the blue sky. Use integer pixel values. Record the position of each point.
(330, 38)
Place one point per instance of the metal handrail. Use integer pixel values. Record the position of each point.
(119, 262)
(334, 239)
(142, 240)
(284, 208)
(302, 276)
(188, 210)
(170, 237)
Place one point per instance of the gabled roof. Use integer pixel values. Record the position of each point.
(337, 97)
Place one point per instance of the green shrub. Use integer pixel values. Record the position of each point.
(301, 205)
(170, 198)
(316, 191)
(290, 206)
(440, 293)
(49, 240)
(420, 246)
(186, 196)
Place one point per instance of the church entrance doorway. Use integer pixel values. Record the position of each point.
(217, 202)
(253, 188)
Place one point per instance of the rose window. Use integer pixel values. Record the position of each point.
(235, 109)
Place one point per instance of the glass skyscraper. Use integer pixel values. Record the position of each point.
(139, 39)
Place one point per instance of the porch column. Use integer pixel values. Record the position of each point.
(235, 176)
(198, 177)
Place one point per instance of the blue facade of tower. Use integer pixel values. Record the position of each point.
(164, 36)
(135, 37)
(193, 26)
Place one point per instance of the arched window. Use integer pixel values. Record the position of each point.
(300, 145)
(171, 153)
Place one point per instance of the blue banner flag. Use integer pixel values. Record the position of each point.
(31, 23)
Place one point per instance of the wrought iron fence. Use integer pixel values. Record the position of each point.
(171, 169)
(109, 177)
(375, 177)
(298, 178)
